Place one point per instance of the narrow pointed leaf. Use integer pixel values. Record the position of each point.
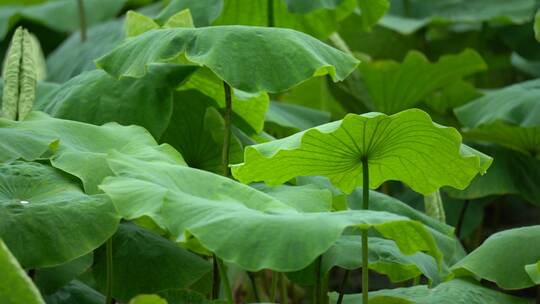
(498, 261)
(240, 64)
(406, 146)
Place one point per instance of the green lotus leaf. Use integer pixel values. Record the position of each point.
(537, 26)
(243, 69)
(534, 272)
(393, 87)
(148, 299)
(196, 130)
(47, 209)
(384, 257)
(187, 296)
(248, 108)
(75, 292)
(147, 263)
(50, 279)
(306, 198)
(498, 261)
(137, 24)
(59, 15)
(80, 149)
(410, 17)
(406, 146)
(371, 11)
(319, 23)
(451, 292)
(204, 12)
(287, 119)
(233, 220)
(509, 117)
(16, 287)
(302, 7)
(511, 173)
(146, 101)
(100, 39)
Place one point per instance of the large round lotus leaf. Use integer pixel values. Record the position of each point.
(15, 287)
(47, 219)
(145, 263)
(406, 146)
(509, 117)
(240, 224)
(80, 148)
(502, 258)
(451, 292)
(251, 59)
(50, 279)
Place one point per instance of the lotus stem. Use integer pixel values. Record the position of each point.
(251, 277)
(270, 13)
(227, 129)
(283, 296)
(273, 287)
(225, 281)
(318, 281)
(342, 286)
(82, 20)
(461, 218)
(215, 278)
(407, 8)
(109, 269)
(365, 255)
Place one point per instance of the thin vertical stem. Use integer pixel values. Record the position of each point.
(461, 218)
(270, 13)
(216, 282)
(407, 8)
(225, 281)
(318, 283)
(109, 266)
(283, 295)
(82, 20)
(342, 286)
(227, 129)
(365, 255)
(251, 277)
(273, 286)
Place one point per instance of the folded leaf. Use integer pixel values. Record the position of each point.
(406, 146)
(451, 292)
(247, 58)
(509, 117)
(498, 261)
(240, 224)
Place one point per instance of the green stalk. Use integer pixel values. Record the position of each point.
(225, 280)
(82, 20)
(283, 289)
(365, 256)
(270, 13)
(216, 271)
(342, 286)
(407, 8)
(318, 282)
(109, 263)
(273, 287)
(251, 277)
(227, 129)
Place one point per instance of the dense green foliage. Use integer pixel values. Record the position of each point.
(269, 151)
